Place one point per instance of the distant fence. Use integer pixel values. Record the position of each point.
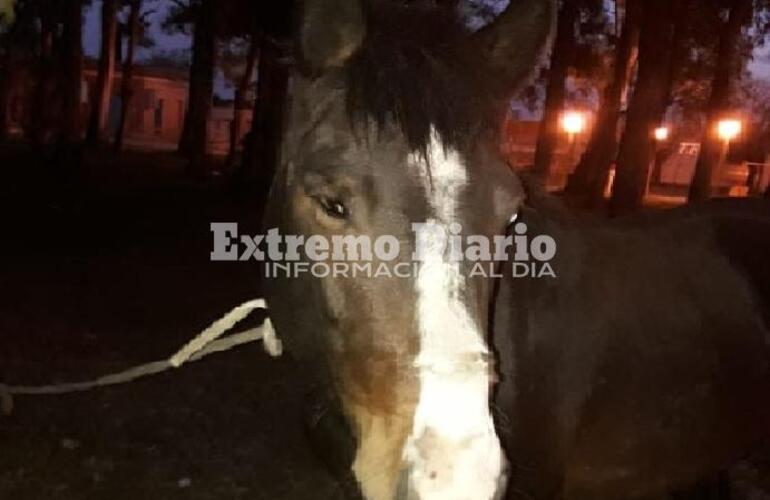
(758, 177)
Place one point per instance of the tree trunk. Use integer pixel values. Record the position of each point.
(590, 176)
(72, 74)
(40, 108)
(561, 59)
(719, 100)
(194, 132)
(263, 150)
(126, 80)
(5, 94)
(647, 105)
(240, 97)
(102, 96)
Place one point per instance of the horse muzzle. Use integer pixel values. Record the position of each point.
(473, 468)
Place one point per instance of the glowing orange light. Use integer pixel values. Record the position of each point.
(573, 122)
(729, 129)
(662, 134)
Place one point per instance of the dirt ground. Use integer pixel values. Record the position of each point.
(100, 278)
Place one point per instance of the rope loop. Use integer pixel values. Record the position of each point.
(206, 342)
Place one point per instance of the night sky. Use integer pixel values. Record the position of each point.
(163, 41)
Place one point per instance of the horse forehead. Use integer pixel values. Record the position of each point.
(444, 173)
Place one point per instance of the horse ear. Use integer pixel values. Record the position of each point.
(331, 31)
(518, 40)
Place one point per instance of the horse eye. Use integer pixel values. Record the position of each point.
(333, 208)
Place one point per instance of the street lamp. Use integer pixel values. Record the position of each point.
(729, 129)
(573, 122)
(662, 134)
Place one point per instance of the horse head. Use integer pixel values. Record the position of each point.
(392, 143)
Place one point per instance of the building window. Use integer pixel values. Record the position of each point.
(689, 148)
(159, 114)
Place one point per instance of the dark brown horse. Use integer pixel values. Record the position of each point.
(635, 363)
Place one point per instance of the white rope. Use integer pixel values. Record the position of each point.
(205, 343)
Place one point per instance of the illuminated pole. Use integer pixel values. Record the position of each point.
(662, 134)
(727, 130)
(573, 123)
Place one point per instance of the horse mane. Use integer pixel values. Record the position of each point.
(412, 71)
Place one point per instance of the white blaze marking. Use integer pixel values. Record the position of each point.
(452, 452)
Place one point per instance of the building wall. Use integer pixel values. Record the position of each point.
(156, 114)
